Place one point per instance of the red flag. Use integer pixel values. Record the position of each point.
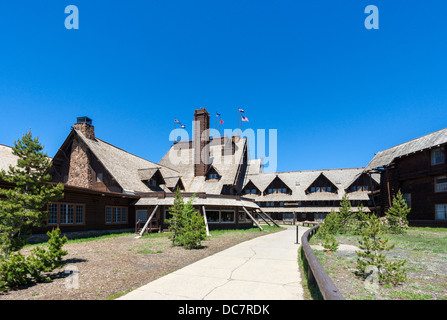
(221, 121)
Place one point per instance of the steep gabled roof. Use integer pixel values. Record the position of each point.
(299, 182)
(181, 158)
(7, 158)
(385, 157)
(122, 165)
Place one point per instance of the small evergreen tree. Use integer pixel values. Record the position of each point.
(345, 213)
(396, 216)
(373, 246)
(22, 206)
(187, 225)
(178, 218)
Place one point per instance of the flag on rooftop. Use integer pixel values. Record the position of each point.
(245, 119)
(221, 121)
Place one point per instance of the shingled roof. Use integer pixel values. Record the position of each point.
(125, 167)
(299, 182)
(385, 157)
(7, 158)
(180, 157)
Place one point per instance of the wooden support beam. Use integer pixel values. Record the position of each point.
(270, 218)
(206, 221)
(253, 219)
(260, 214)
(148, 221)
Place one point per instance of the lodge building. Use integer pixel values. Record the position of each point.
(418, 169)
(107, 188)
(311, 195)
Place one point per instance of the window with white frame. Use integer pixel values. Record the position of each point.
(441, 184)
(220, 215)
(441, 212)
(66, 213)
(116, 215)
(437, 156)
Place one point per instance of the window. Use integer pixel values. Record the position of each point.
(79, 214)
(99, 177)
(213, 176)
(328, 189)
(319, 217)
(212, 216)
(270, 191)
(52, 208)
(407, 198)
(441, 184)
(281, 204)
(253, 191)
(116, 215)
(242, 216)
(441, 212)
(66, 213)
(437, 156)
(247, 191)
(108, 214)
(312, 189)
(227, 216)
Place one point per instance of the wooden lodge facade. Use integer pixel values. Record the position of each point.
(107, 188)
(418, 169)
(311, 195)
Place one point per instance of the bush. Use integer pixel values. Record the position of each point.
(396, 216)
(372, 246)
(18, 270)
(187, 225)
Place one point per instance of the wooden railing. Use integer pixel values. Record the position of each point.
(315, 272)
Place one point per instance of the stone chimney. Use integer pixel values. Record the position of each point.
(201, 142)
(84, 124)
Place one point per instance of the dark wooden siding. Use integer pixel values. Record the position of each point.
(415, 175)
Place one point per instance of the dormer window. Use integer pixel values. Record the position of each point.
(213, 176)
(437, 156)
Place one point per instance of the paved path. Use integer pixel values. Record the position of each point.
(264, 268)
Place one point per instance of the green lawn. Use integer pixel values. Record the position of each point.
(425, 250)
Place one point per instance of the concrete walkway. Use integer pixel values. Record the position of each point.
(264, 268)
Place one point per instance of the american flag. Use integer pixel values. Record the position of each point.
(241, 111)
(217, 114)
(245, 119)
(176, 121)
(182, 126)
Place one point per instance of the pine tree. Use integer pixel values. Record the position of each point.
(178, 218)
(23, 206)
(186, 224)
(397, 215)
(345, 213)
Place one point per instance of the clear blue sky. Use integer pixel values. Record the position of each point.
(335, 91)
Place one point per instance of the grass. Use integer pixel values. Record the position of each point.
(425, 250)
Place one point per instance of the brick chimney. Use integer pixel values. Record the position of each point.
(84, 124)
(201, 141)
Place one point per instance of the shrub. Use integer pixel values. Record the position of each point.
(396, 216)
(187, 225)
(19, 270)
(372, 246)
